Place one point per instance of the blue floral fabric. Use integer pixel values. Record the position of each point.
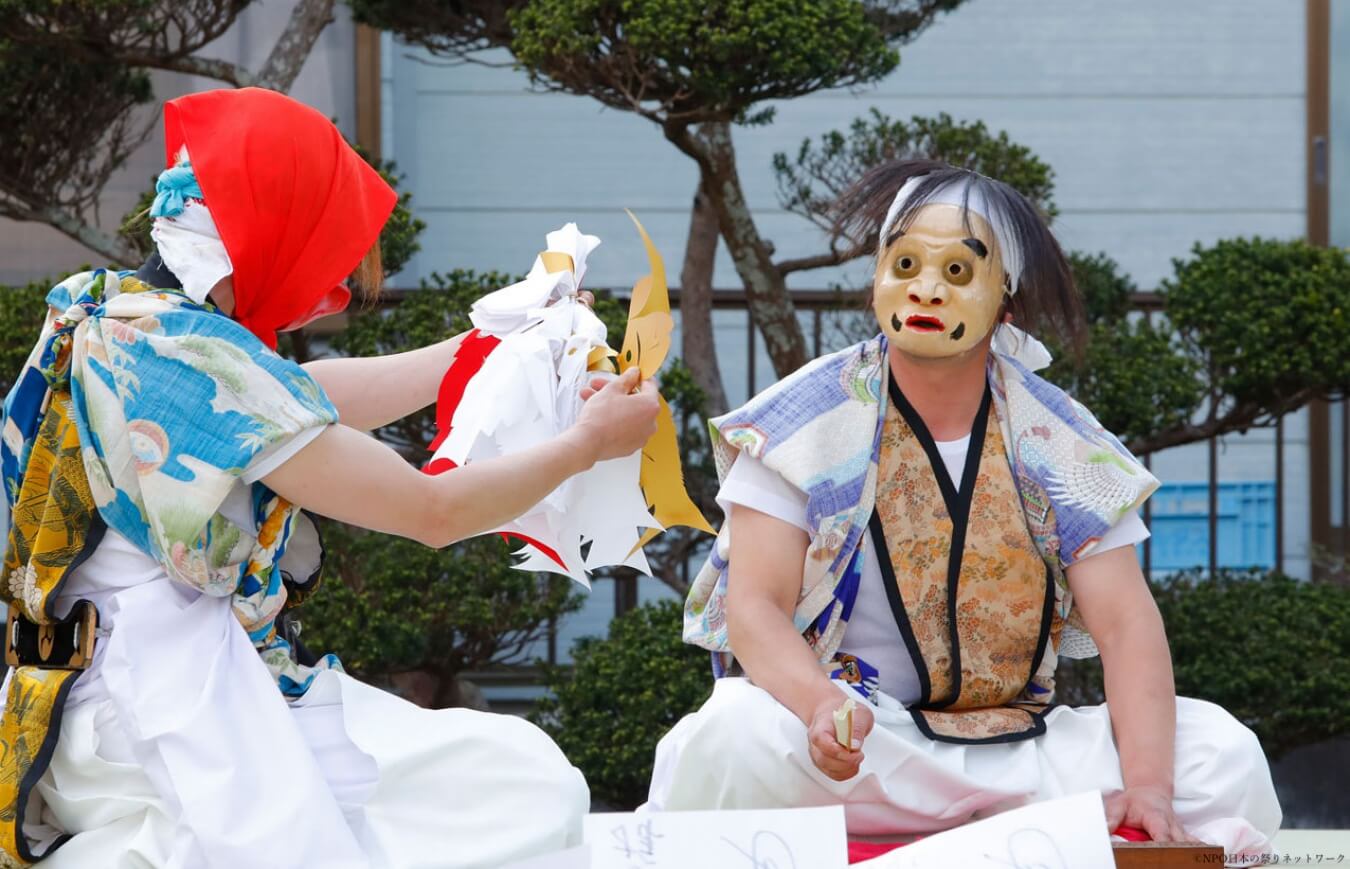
(174, 403)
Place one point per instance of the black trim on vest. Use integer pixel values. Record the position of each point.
(93, 536)
(958, 508)
(41, 761)
(898, 607)
(1047, 615)
(1037, 729)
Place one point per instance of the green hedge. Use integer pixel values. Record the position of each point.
(22, 311)
(1272, 650)
(608, 710)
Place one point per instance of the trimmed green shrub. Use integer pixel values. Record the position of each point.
(391, 606)
(22, 311)
(1272, 650)
(1268, 320)
(610, 708)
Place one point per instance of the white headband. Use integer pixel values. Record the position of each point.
(962, 194)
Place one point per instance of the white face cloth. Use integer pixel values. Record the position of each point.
(190, 246)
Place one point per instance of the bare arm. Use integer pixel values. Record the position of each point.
(373, 391)
(767, 555)
(1123, 619)
(351, 477)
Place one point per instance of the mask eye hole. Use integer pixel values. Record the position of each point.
(906, 265)
(958, 272)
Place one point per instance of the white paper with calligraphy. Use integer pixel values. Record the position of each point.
(1067, 833)
(573, 858)
(771, 839)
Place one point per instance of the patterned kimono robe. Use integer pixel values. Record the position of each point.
(139, 410)
(863, 459)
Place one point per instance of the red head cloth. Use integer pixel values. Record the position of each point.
(296, 207)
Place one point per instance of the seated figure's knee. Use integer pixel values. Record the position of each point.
(1216, 735)
(735, 722)
(555, 782)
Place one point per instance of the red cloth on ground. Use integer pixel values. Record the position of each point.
(296, 207)
(860, 851)
(1132, 834)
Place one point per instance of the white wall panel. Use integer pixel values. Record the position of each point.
(1165, 123)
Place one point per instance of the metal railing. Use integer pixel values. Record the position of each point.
(818, 303)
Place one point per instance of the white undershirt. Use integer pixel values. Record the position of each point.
(871, 633)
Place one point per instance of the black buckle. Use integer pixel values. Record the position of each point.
(67, 644)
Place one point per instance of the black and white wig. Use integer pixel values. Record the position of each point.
(1038, 282)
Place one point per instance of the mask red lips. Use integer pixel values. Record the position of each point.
(924, 323)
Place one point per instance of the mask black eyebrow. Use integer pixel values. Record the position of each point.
(894, 237)
(976, 245)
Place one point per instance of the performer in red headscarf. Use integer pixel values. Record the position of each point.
(156, 454)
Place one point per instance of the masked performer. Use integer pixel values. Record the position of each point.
(921, 520)
(156, 454)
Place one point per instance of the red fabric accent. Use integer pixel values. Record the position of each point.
(553, 556)
(469, 358)
(439, 466)
(296, 207)
(1132, 834)
(860, 851)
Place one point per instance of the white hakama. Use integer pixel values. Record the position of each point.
(746, 750)
(178, 750)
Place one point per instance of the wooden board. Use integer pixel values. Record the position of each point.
(1156, 855)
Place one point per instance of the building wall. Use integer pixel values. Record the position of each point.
(1166, 124)
(31, 251)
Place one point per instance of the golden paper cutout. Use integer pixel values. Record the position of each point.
(555, 262)
(645, 345)
(601, 359)
(662, 481)
(647, 340)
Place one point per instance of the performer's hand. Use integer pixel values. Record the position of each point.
(616, 421)
(594, 385)
(831, 758)
(1148, 808)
